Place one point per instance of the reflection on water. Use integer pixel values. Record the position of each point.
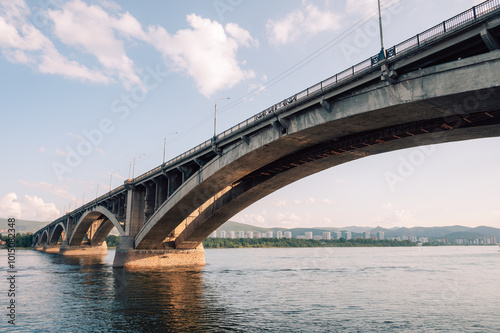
(174, 298)
(278, 290)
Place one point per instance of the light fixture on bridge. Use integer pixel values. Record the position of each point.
(165, 145)
(381, 55)
(215, 115)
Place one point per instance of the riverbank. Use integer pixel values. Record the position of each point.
(211, 243)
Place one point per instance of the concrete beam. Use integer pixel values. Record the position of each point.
(325, 105)
(490, 40)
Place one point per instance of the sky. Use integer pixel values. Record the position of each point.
(88, 87)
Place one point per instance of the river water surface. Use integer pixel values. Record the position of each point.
(418, 289)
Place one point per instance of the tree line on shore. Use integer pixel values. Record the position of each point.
(293, 242)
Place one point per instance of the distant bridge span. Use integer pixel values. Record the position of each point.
(442, 85)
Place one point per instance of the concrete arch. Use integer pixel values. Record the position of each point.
(44, 237)
(383, 117)
(36, 239)
(235, 199)
(84, 223)
(56, 233)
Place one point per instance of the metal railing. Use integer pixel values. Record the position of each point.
(359, 69)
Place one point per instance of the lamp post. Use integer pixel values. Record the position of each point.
(215, 115)
(132, 166)
(111, 178)
(381, 55)
(165, 145)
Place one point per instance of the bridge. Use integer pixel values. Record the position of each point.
(441, 85)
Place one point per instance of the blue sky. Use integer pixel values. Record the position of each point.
(125, 75)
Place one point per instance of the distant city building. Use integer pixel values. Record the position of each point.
(366, 235)
(241, 234)
(380, 235)
(318, 237)
(279, 234)
(269, 234)
(250, 234)
(423, 240)
(301, 237)
(223, 234)
(287, 234)
(347, 235)
(213, 234)
(327, 235)
(337, 235)
(308, 235)
(232, 235)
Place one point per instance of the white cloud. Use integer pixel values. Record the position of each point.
(93, 30)
(21, 42)
(42, 149)
(50, 188)
(241, 35)
(304, 22)
(289, 220)
(100, 151)
(280, 203)
(253, 219)
(207, 52)
(28, 208)
(362, 7)
(308, 201)
(60, 152)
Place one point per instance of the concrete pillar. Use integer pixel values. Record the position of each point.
(82, 250)
(50, 248)
(161, 191)
(150, 200)
(129, 258)
(135, 210)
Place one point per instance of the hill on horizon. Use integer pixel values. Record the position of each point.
(22, 226)
(450, 232)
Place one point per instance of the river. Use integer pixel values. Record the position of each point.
(417, 289)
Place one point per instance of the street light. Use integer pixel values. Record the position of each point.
(381, 55)
(165, 145)
(215, 115)
(110, 178)
(133, 167)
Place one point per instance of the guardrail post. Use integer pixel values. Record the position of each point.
(474, 11)
(444, 26)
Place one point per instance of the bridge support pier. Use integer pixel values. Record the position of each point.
(51, 248)
(127, 257)
(83, 250)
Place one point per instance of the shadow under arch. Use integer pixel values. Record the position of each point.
(59, 230)
(44, 238)
(108, 221)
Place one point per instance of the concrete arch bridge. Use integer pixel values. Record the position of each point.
(442, 85)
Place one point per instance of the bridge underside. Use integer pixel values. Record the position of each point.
(289, 169)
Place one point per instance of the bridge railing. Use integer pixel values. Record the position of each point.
(357, 70)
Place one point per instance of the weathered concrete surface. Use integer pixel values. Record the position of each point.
(51, 248)
(83, 250)
(159, 258)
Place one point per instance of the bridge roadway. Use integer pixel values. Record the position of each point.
(442, 85)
